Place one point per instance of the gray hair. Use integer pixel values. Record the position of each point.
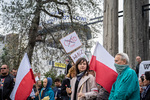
(124, 56)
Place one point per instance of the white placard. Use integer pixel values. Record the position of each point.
(78, 54)
(144, 66)
(70, 42)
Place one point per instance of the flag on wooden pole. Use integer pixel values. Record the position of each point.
(24, 80)
(103, 64)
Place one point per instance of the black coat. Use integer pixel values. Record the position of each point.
(68, 67)
(147, 97)
(146, 93)
(65, 83)
(8, 86)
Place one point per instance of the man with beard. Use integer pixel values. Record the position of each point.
(6, 83)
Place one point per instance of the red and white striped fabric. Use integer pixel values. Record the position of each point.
(103, 64)
(24, 81)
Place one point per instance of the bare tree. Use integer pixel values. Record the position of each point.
(25, 16)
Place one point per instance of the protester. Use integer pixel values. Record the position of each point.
(57, 89)
(126, 86)
(38, 89)
(32, 94)
(92, 72)
(141, 83)
(138, 59)
(11, 74)
(66, 83)
(6, 83)
(146, 93)
(102, 94)
(68, 66)
(47, 92)
(14, 72)
(83, 86)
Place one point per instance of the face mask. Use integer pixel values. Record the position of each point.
(120, 68)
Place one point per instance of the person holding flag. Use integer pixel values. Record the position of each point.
(24, 81)
(126, 86)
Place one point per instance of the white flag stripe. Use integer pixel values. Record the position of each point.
(23, 69)
(104, 57)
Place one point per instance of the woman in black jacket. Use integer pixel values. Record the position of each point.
(66, 83)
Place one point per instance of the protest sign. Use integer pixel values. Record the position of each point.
(78, 54)
(144, 66)
(70, 42)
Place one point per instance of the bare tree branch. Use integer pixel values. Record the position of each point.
(44, 2)
(69, 9)
(51, 14)
(52, 36)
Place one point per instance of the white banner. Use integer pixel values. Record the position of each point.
(144, 66)
(78, 54)
(71, 42)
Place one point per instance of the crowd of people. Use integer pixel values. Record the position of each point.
(79, 83)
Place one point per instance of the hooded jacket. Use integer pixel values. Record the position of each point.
(48, 90)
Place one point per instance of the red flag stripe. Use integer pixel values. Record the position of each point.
(103, 64)
(25, 87)
(105, 76)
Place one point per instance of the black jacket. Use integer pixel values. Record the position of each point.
(68, 67)
(65, 83)
(146, 94)
(137, 69)
(7, 86)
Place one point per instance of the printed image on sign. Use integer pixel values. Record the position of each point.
(78, 54)
(71, 42)
(144, 66)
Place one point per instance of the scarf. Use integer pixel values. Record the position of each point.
(120, 68)
(79, 76)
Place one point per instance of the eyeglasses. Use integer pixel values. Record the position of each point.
(3, 68)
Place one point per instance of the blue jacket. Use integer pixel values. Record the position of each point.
(57, 92)
(126, 86)
(48, 90)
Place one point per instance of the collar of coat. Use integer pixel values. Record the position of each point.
(83, 80)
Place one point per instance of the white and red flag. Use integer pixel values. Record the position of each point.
(24, 80)
(103, 64)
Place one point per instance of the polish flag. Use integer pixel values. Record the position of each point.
(103, 64)
(24, 80)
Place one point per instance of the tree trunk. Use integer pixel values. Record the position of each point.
(110, 26)
(33, 33)
(135, 30)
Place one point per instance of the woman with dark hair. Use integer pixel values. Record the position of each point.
(146, 94)
(83, 86)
